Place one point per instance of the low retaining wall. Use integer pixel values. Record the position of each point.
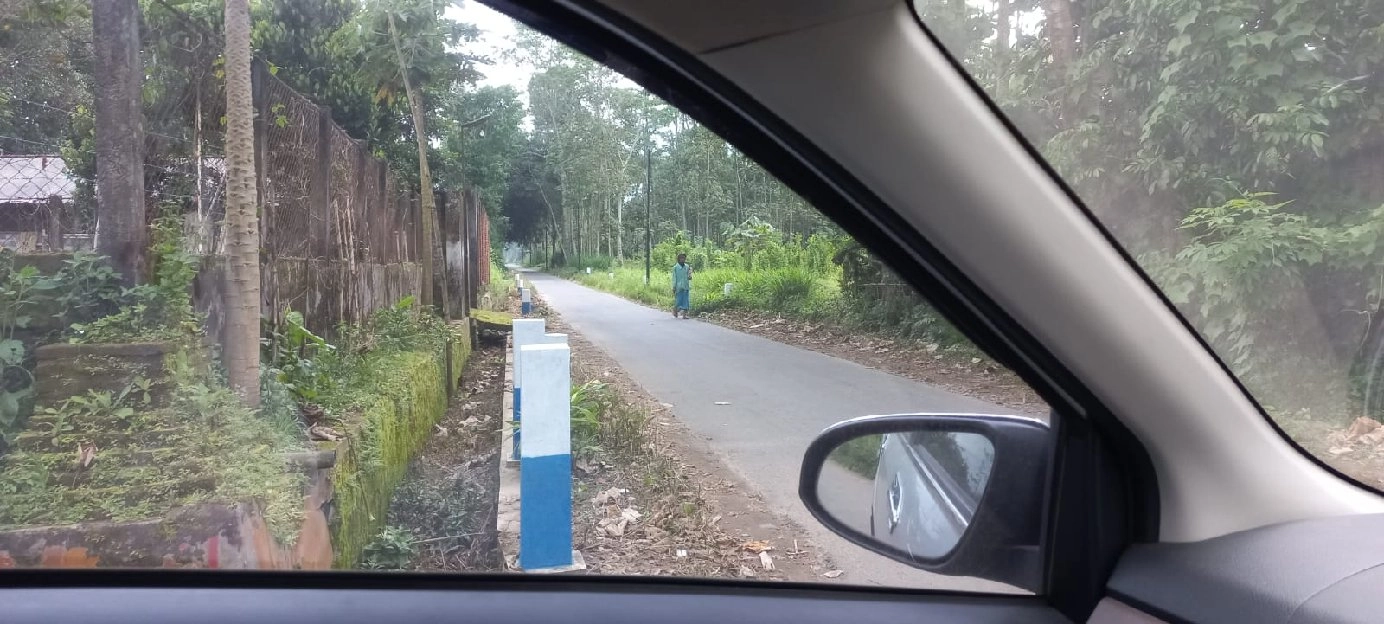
(212, 535)
(391, 427)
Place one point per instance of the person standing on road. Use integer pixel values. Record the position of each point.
(682, 286)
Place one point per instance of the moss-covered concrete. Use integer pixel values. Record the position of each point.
(388, 428)
(493, 320)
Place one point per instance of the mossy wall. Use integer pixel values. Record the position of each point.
(380, 441)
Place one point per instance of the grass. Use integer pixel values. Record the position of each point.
(859, 455)
(496, 294)
(203, 447)
(791, 292)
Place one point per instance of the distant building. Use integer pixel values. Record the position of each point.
(34, 194)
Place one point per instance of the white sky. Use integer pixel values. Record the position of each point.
(497, 31)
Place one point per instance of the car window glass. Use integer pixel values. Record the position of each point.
(1231, 149)
(259, 307)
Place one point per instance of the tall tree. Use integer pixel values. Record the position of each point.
(241, 344)
(408, 47)
(420, 133)
(120, 222)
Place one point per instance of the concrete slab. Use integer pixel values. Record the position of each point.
(507, 513)
(578, 565)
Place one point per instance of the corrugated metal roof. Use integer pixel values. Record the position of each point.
(33, 179)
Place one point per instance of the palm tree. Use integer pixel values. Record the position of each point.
(241, 338)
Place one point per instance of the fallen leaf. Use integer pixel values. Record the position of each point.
(631, 514)
(86, 453)
(608, 496)
(833, 573)
(757, 546)
(746, 572)
(323, 433)
(765, 561)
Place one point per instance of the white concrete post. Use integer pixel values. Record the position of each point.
(545, 471)
(526, 301)
(525, 332)
(588, 270)
(725, 290)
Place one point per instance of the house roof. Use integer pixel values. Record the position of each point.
(33, 179)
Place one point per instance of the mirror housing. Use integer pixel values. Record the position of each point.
(1003, 540)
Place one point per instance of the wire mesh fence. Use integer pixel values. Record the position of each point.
(341, 233)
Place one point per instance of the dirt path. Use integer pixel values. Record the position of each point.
(446, 504)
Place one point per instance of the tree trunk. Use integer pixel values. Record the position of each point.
(242, 219)
(1061, 33)
(120, 226)
(415, 105)
(1003, 9)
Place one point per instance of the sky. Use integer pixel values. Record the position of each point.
(497, 29)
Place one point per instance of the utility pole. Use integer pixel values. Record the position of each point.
(648, 199)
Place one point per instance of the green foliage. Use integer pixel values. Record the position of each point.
(392, 549)
(590, 401)
(88, 288)
(157, 311)
(823, 278)
(279, 404)
(295, 357)
(203, 447)
(18, 296)
(97, 406)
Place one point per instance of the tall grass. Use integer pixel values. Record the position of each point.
(791, 291)
(496, 295)
(821, 278)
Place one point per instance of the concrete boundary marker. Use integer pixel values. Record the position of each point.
(523, 332)
(545, 469)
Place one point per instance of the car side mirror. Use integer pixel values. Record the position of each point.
(953, 494)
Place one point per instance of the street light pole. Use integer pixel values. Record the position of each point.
(648, 200)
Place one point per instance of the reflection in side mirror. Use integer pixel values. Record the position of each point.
(915, 491)
(953, 494)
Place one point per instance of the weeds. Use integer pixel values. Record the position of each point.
(392, 549)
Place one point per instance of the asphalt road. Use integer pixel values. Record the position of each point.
(779, 398)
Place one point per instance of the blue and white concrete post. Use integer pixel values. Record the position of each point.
(545, 473)
(526, 301)
(526, 332)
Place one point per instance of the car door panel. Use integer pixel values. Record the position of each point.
(369, 599)
(1321, 570)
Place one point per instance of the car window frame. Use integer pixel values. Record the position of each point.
(680, 79)
(683, 81)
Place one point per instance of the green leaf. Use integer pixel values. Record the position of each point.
(1178, 44)
(9, 406)
(11, 352)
